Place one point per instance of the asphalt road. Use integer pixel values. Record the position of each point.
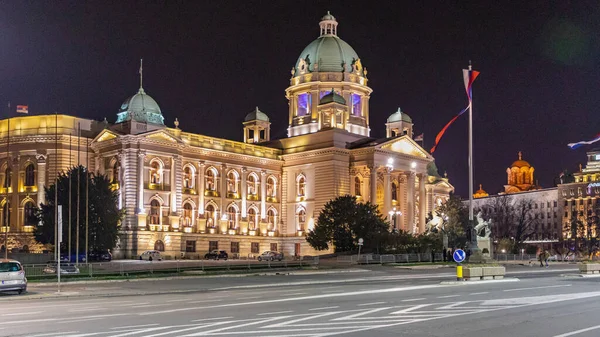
(385, 302)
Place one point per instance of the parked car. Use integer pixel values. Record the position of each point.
(12, 276)
(65, 268)
(100, 256)
(270, 255)
(65, 258)
(216, 255)
(151, 255)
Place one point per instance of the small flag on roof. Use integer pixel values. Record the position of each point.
(419, 138)
(22, 109)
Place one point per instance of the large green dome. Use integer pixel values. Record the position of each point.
(328, 51)
(142, 108)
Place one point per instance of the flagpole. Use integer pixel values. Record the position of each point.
(78, 184)
(473, 245)
(7, 222)
(56, 240)
(70, 192)
(87, 204)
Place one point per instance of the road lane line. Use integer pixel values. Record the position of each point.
(274, 313)
(409, 309)
(205, 301)
(324, 308)
(448, 296)
(544, 287)
(413, 299)
(293, 294)
(576, 332)
(373, 303)
(134, 326)
(211, 319)
(208, 333)
(148, 305)
(22, 313)
(481, 293)
(180, 300)
(451, 306)
(53, 334)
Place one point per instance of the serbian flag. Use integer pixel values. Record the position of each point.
(22, 109)
(419, 138)
(469, 77)
(573, 146)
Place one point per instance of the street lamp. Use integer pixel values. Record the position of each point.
(444, 234)
(393, 214)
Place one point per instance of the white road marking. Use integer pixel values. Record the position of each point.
(450, 306)
(293, 294)
(448, 296)
(413, 299)
(205, 301)
(179, 300)
(148, 305)
(409, 309)
(545, 287)
(579, 331)
(22, 313)
(481, 293)
(53, 334)
(136, 304)
(210, 332)
(211, 319)
(134, 326)
(138, 331)
(373, 303)
(274, 313)
(324, 308)
(85, 309)
(249, 298)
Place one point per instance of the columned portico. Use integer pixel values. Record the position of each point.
(410, 204)
(244, 191)
(373, 184)
(41, 178)
(422, 203)
(387, 192)
(200, 188)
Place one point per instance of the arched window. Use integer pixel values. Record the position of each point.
(155, 173)
(394, 191)
(115, 173)
(6, 214)
(187, 214)
(188, 177)
(232, 182)
(232, 217)
(301, 186)
(272, 187)
(251, 184)
(211, 180)
(154, 212)
(210, 215)
(159, 245)
(29, 175)
(7, 177)
(301, 219)
(29, 214)
(271, 219)
(252, 219)
(357, 184)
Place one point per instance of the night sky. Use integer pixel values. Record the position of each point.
(209, 63)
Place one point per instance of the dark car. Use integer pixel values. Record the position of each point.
(100, 256)
(65, 257)
(216, 255)
(270, 255)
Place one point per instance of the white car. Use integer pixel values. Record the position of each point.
(12, 276)
(151, 255)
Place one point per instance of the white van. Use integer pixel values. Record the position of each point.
(151, 255)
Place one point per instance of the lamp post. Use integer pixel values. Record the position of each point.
(444, 233)
(393, 214)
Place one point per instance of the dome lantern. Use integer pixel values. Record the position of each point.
(328, 25)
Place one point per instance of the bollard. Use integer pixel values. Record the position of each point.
(459, 273)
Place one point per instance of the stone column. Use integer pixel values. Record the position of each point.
(41, 178)
(200, 187)
(422, 202)
(223, 189)
(402, 201)
(244, 190)
(141, 155)
(263, 194)
(410, 202)
(120, 180)
(387, 193)
(373, 184)
(99, 168)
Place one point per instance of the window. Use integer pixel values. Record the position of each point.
(301, 186)
(394, 191)
(232, 182)
(154, 212)
(7, 178)
(271, 187)
(187, 214)
(301, 219)
(210, 216)
(188, 177)
(254, 247)
(29, 175)
(29, 214)
(213, 245)
(566, 202)
(232, 217)
(115, 173)
(356, 105)
(155, 173)
(274, 247)
(556, 203)
(211, 179)
(542, 205)
(270, 220)
(251, 184)
(252, 219)
(235, 247)
(159, 245)
(190, 246)
(304, 105)
(357, 191)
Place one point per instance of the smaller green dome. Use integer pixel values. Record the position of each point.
(141, 108)
(332, 97)
(399, 116)
(256, 115)
(328, 16)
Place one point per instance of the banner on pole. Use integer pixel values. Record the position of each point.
(59, 239)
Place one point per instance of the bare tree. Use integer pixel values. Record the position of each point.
(525, 221)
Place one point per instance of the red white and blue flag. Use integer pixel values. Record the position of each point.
(22, 109)
(469, 77)
(573, 146)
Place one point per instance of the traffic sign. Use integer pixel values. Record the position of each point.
(459, 255)
(360, 242)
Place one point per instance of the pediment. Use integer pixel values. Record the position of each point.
(405, 145)
(105, 135)
(163, 136)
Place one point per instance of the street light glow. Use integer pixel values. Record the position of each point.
(413, 165)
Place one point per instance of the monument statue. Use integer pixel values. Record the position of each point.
(483, 227)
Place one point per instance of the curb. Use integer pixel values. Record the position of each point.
(464, 283)
(580, 275)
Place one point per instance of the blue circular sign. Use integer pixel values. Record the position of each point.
(459, 255)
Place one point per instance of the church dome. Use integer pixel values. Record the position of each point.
(328, 52)
(520, 163)
(142, 108)
(256, 115)
(480, 193)
(332, 97)
(399, 116)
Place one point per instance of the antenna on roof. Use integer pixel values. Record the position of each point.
(141, 74)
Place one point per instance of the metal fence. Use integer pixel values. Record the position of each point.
(389, 258)
(132, 268)
(529, 257)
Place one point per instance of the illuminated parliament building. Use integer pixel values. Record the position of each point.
(186, 193)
